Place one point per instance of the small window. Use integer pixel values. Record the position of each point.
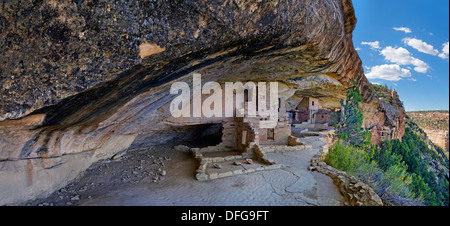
(257, 99)
(322, 116)
(313, 103)
(270, 134)
(279, 104)
(244, 137)
(246, 95)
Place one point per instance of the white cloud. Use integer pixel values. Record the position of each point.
(402, 56)
(390, 72)
(373, 45)
(412, 79)
(444, 54)
(421, 46)
(404, 29)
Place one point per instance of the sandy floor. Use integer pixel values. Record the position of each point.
(161, 176)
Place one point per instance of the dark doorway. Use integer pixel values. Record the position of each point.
(270, 134)
(205, 135)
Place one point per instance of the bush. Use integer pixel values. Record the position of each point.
(392, 184)
(383, 92)
(398, 171)
(401, 172)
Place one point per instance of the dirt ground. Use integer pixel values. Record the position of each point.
(162, 176)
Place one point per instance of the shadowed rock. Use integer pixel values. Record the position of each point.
(98, 73)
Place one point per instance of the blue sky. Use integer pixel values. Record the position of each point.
(404, 44)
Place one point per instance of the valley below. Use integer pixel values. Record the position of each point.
(435, 124)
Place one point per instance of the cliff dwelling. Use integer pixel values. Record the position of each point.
(309, 111)
(86, 93)
(245, 140)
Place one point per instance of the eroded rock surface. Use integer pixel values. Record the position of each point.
(439, 137)
(89, 78)
(55, 49)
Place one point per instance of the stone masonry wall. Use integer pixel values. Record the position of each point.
(355, 192)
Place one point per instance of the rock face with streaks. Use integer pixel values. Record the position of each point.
(83, 80)
(439, 137)
(381, 117)
(435, 125)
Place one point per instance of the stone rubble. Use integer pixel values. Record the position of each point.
(136, 166)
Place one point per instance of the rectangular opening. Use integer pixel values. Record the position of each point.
(270, 134)
(246, 95)
(279, 104)
(244, 136)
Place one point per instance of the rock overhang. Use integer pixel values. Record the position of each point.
(306, 46)
(201, 31)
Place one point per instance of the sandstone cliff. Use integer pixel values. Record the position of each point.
(386, 120)
(439, 137)
(435, 125)
(83, 80)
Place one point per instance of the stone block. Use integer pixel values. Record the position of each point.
(229, 158)
(225, 174)
(250, 170)
(218, 159)
(202, 177)
(182, 148)
(213, 176)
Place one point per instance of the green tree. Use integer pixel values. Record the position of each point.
(350, 128)
(406, 172)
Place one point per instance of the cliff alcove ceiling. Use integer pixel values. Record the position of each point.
(83, 80)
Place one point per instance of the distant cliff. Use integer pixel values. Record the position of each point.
(435, 124)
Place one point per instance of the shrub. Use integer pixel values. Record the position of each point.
(398, 171)
(392, 184)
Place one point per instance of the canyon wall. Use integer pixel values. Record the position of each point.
(438, 137)
(385, 120)
(83, 80)
(435, 125)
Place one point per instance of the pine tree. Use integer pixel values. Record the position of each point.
(350, 129)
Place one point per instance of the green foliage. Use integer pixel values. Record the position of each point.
(398, 181)
(350, 129)
(397, 170)
(415, 158)
(394, 181)
(346, 157)
(435, 120)
(426, 112)
(420, 161)
(403, 172)
(380, 91)
(335, 119)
